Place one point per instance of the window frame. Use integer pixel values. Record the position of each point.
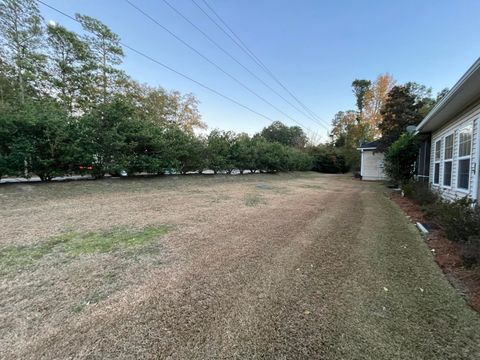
(465, 157)
(450, 160)
(437, 161)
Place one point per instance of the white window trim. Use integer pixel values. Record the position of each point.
(435, 162)
(444, 160)
(459, 158)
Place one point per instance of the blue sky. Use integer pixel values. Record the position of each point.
(316, 48)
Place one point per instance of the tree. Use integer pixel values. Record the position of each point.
(70, 67)
(35, 139)
(374, 100)
(442, 93)
(270, 156)
(244, 153)
(21, 38)
(327, 159)
(157, 105)
(401, 110)
(347, 133)
(218, 150)
(400, 158)
(423, 97)
(107, 54)
(290, 136)
(360, 89)
(102, 135)
(188, 151)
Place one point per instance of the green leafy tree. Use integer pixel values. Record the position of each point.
(243, 153)
(400, 111)
(21, 39)
(185, 151)
(328, 159)
(70, 67)
(360, 89)
(102, 135)
(400, 158)
(218, 151)
(423, 97)
(159, 106)
(271, 156)
(107, 55)
(290, 136)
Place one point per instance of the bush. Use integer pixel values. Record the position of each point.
(460, 219)
(400, 159)
(471, 251)
(328, 160)
(421, 193)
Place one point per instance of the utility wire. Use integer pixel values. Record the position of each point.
(168, 67)
(250, 53)
(178, 12)
(144, 13)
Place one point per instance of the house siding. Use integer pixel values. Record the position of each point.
(469, 117)
(372, 165)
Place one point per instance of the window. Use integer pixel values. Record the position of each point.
(464, 157)
(436, 174)
(447, 160)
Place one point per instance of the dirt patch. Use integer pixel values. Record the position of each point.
(447, 253)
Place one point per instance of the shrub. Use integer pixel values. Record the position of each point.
(471, 251)
(421, 193)
(460, 219)
(328, 160)
(400, 159)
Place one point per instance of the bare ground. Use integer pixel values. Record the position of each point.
(289, 266)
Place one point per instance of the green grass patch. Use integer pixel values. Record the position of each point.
(79, 243)
(253, 199)
(76, 243)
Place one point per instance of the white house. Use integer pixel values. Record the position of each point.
(371, 165)
(455, 129)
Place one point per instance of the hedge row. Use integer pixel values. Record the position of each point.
(40, 139)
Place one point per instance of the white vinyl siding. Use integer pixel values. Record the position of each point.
(459, 160)
(372, 165)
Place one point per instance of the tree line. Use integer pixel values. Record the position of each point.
(384, 111)
(66, 107)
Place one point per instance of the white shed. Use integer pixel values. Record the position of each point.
(372, 162)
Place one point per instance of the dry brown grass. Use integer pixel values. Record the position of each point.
(262, 266)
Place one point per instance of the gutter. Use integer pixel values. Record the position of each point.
(450, 95)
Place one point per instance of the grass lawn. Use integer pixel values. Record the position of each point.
(288, 266)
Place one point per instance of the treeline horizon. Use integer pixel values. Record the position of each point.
(67, 108)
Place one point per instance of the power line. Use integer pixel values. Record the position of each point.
(169, 68)
(144, 13)
(239, 63)
(250, 53)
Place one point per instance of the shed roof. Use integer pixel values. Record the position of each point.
(369, 146)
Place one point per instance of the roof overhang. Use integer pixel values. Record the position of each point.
(367, 148)
(463, 94)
